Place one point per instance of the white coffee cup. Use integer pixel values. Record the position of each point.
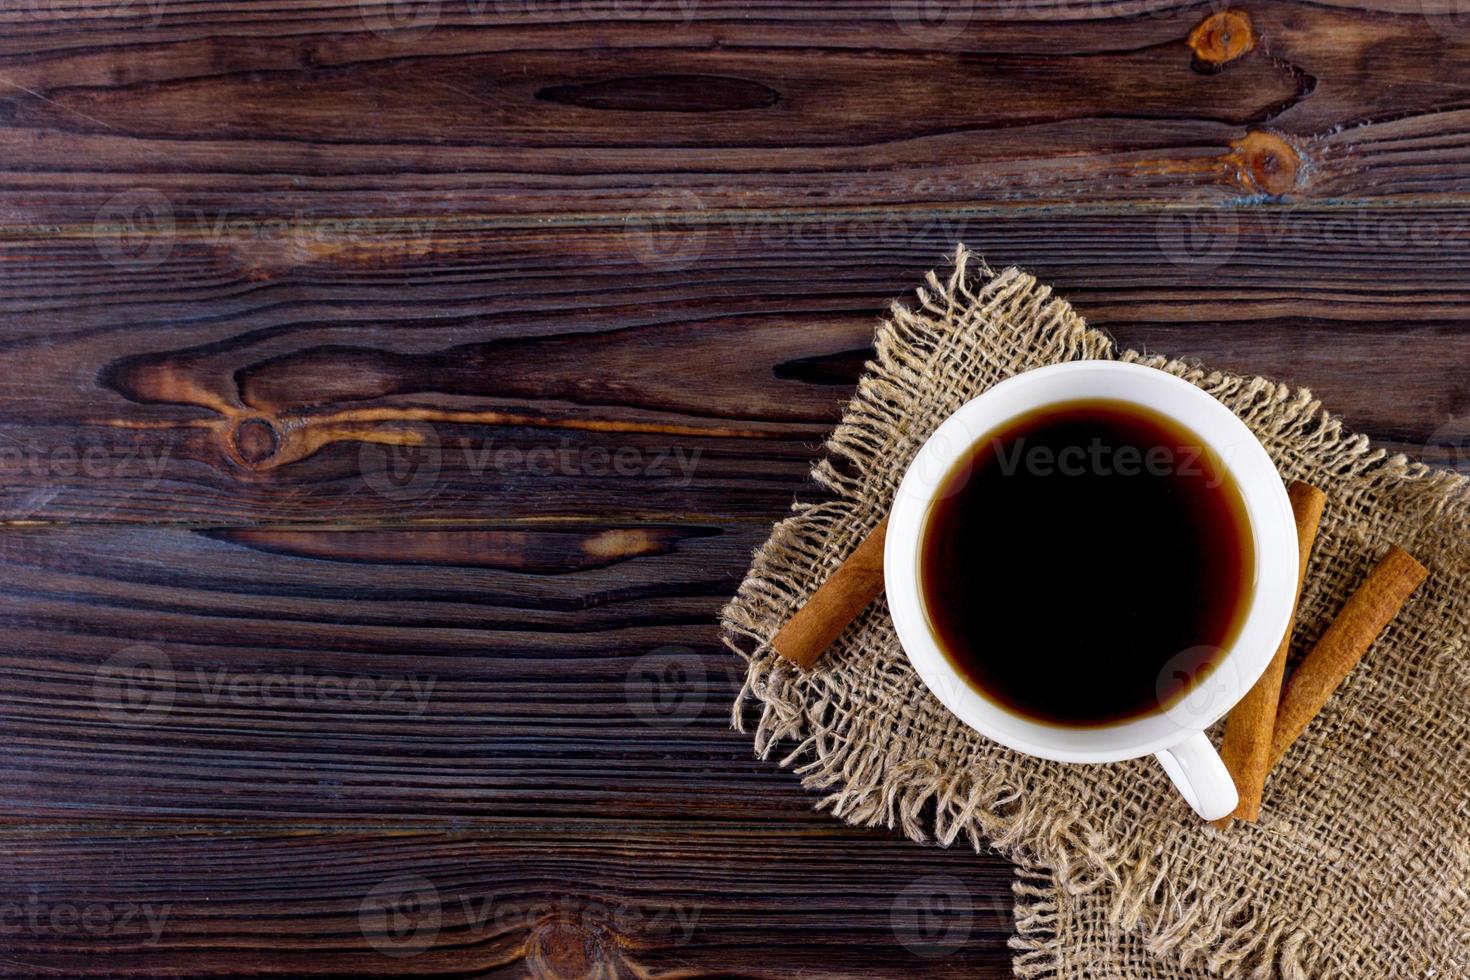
(1175, 734)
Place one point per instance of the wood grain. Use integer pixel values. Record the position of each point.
(394, 393)
(282, 737)
(505, 371)
(548, 670)
(557, 899)
(227, 112)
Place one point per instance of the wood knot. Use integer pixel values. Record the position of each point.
(1265, 163)
(559, 949)
(255, 441)
(1221, 38)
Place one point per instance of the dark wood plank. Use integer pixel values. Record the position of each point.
(685, 371)
(548, 900)
(282, 274)
(275, 738)
(214, 112)
(399, 675)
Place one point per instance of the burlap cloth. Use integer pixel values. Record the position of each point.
(1360, 865)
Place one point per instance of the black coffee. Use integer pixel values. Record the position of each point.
(1086, 564)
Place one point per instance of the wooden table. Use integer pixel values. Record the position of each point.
(393, 393)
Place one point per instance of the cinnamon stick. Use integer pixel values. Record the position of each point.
(855, 583)
(1365, 614)
(1246, 748)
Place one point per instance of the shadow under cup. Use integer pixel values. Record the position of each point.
(1087, 563)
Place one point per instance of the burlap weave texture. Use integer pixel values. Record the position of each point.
(1360, 865)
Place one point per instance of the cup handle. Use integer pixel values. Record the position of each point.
(1200, 776)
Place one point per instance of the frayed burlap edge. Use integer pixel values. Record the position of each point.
(922, 797)
(1036, 943)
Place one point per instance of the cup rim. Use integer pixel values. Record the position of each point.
(1268, 508)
